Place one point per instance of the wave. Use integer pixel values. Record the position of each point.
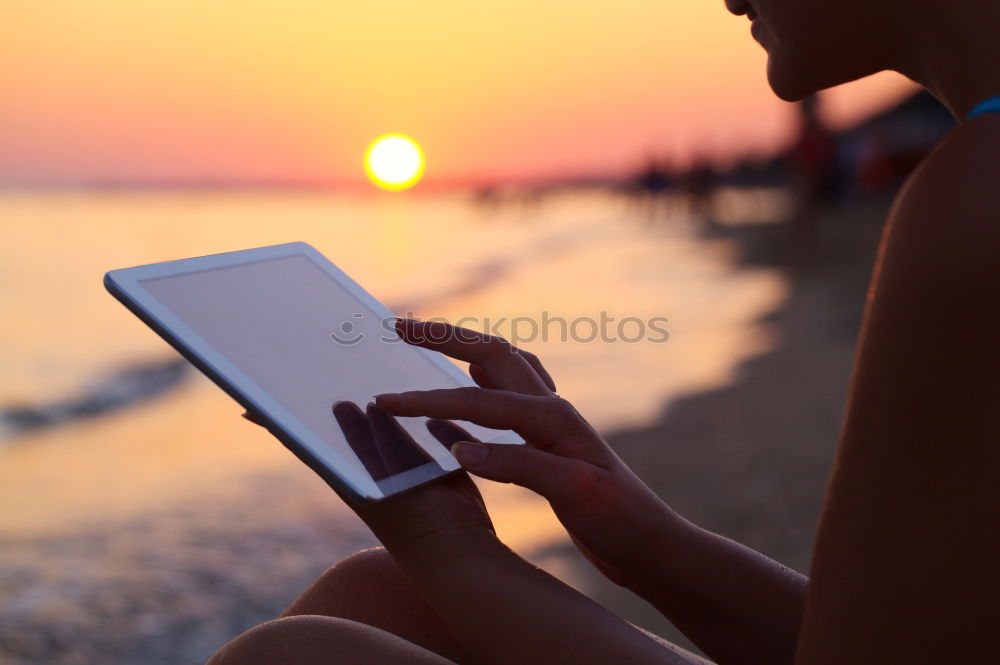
(125, 387)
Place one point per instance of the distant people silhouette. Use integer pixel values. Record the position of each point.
(699, 185)
(652, 185)
(813, 159)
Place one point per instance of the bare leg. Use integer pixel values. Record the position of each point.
(317, 640)
(369, 588)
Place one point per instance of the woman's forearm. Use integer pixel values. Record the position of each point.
(504, 610)
(737, 605)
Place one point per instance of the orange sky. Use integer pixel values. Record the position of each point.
(186, 90)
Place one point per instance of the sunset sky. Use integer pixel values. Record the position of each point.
(180, 91)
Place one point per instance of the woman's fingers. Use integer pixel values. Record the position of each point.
(547, 422)
(530, 416)
(358, 432)
(354, 423)
(558, 479)
(246, 416)
(480, 376)
(398, 450)
(506, 366)
(537, 365)
(447, 432)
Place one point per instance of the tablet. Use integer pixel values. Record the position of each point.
(288, 335)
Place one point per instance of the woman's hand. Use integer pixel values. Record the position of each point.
(446, 511)
(611, 515)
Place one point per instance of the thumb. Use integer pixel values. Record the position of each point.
(552, 476)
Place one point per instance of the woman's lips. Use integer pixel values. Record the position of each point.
(757, 30)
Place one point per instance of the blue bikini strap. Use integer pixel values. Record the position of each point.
(991, 105)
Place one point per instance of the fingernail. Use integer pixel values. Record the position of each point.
(470, 454)
(386, 396)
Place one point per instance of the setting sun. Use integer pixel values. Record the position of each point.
(394, 162)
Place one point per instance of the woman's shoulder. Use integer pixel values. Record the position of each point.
(907, 543)
(937, 281)
(947, 218)
(958, 185)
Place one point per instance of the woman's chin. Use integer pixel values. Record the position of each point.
(793, 82)
(786, 84)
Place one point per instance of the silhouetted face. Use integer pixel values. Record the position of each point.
(816, 44)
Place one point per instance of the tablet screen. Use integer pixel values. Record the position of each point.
(309, 343)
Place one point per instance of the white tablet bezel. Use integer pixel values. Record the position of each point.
(126, 285)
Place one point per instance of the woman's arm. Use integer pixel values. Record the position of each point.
(906, 562)
(737, 605)
(504, 610)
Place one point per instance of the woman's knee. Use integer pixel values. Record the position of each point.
(370, 588)
(319, 640)
(369, 566)
(366, 578)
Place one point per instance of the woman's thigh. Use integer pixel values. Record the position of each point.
(322, 640)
